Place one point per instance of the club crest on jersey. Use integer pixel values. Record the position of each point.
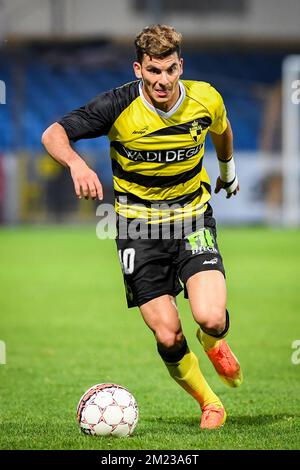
(195, 131)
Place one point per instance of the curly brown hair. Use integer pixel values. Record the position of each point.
(157, 41)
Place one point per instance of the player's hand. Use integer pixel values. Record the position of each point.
(85, 180)
(221, 185)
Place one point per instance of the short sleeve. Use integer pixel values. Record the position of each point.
(218, 113)
(91, 120)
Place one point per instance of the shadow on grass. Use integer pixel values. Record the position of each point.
(149, 432)
(258, 420)
(189, 424)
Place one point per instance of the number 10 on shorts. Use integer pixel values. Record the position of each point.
(127, 260)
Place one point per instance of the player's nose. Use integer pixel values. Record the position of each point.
(163, 79)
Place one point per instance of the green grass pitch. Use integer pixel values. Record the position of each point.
(66, 327)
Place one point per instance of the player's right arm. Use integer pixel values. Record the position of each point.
(90, 121)
(222, 138)
(57, 144)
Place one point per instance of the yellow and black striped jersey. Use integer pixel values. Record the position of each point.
(157, 157)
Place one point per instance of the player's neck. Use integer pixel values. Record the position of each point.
(165, 107)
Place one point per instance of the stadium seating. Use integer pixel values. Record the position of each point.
(40, 90)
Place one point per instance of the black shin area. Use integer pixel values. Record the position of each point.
(224, 332)
(171, 355)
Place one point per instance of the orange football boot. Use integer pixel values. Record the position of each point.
(225, 362)
(212, 417)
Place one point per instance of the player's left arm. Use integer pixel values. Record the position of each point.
(223, 144)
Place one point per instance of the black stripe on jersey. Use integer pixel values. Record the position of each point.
(130, 199)
(182, 128)
(156, 156)
(98, 115)
(155, 181)
(207, 186)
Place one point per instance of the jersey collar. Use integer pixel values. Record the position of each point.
(161, 113)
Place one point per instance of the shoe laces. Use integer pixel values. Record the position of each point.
(223, 353)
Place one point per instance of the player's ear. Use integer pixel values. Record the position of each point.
(181, 66)
(137, 69)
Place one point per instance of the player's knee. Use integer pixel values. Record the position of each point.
(213, 320)
(172, 347)
(169, 340)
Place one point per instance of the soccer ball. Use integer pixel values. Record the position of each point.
(107, 410)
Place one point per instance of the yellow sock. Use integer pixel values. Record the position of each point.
(208, 342)
(187, 374)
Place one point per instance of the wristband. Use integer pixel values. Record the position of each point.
(227, 169)
(231, 186)
(228, 174)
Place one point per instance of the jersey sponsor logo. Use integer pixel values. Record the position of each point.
(201, 241)
(195, 131)
(141, 131)
(164, 156)
(212, 261)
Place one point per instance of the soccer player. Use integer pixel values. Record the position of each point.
(157, 127)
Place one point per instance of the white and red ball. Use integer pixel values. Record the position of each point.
(107, 410)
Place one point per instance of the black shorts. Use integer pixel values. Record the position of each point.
(154, 267)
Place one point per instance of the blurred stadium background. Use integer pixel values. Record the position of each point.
(56, 55)
(64, 322)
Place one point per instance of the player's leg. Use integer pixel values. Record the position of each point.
(161, 316)
(207, 296)
(151, 282)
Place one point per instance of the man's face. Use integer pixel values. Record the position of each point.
(160, 79)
